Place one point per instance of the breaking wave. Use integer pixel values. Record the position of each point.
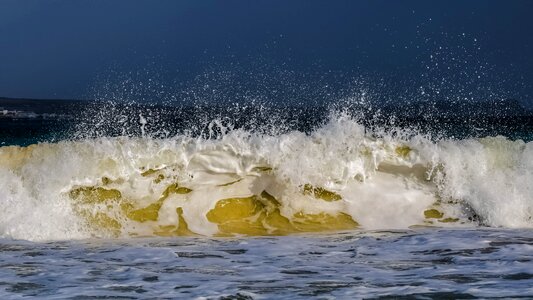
(340, 176)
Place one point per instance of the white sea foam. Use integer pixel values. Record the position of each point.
(379, 180)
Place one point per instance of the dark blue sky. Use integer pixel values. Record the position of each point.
(65, 49)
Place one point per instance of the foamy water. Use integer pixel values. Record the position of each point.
(420, 264)
(342, 211)
(338, 177)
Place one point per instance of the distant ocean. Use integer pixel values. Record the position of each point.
(120, 200)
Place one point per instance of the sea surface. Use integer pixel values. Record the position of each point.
(109, 200)
(409, 264)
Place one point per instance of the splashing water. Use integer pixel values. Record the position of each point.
(340, 176)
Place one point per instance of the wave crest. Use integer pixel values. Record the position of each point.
(338, 177)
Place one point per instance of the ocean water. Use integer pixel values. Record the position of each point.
(126, 201)
(412, 264)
